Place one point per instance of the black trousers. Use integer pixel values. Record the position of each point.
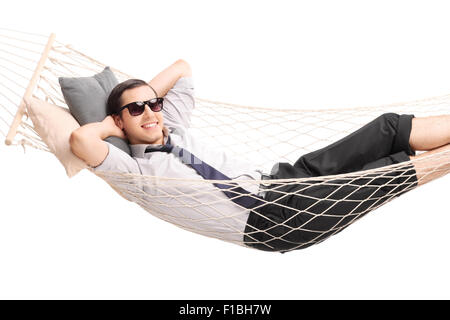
(297, 220)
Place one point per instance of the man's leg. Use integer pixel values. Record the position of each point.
(428, 133)
(434, 167)
(385, 135)
(307, 214)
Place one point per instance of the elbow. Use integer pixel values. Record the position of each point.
(185, 67)
(181, 61)
(74, 141)
(73, 137)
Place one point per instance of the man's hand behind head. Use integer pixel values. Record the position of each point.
(113, 128)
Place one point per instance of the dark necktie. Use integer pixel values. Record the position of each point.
(232, 190)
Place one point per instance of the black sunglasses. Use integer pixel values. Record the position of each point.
(137, 108)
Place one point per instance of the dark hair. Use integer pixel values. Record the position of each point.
(114, 102)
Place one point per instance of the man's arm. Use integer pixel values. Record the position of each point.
(87, 142)
(167, 78)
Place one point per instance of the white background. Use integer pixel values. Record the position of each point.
(76, 238)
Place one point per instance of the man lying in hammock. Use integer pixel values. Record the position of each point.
(155, 118)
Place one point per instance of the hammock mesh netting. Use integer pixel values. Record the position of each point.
(261, 136)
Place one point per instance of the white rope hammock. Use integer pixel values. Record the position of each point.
(30, 65)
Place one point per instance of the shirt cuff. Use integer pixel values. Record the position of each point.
(184, 82)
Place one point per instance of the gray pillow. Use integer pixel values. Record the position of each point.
(86, 98)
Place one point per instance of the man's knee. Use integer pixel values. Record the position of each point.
(390, 116)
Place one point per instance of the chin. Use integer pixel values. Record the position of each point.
(149, 138)
(155, 140)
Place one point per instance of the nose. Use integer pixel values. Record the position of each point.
(147, 110)
(148, 114)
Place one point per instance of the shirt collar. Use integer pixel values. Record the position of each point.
(138, 150)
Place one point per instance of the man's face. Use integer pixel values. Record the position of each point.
(134, 125)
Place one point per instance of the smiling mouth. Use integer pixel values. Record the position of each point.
(150, 126)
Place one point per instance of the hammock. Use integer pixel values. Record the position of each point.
(30, 65)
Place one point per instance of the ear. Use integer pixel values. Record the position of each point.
(118, 120)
